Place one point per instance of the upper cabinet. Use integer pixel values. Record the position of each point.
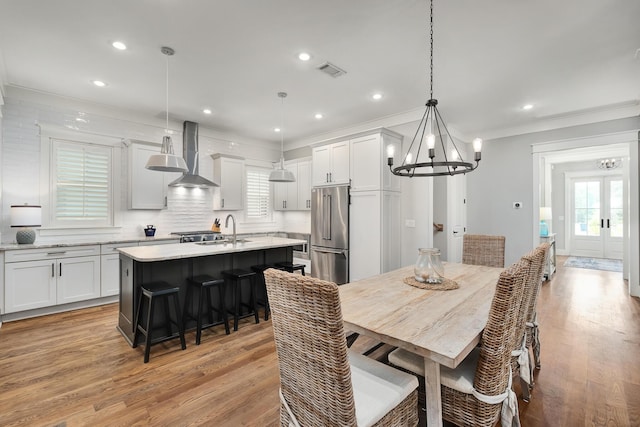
(228, 173)
(294, 196)
(368, 161)
(147, 188)
(331, 164)
(360, 160)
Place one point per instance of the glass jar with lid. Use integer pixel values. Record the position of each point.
(428, 268)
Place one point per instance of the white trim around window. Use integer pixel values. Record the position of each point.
(98, 160)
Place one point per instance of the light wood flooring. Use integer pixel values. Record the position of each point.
(74, 369)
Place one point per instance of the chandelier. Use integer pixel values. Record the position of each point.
(609, 163)
(432, 129)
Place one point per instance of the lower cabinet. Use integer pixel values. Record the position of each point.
(36, 278)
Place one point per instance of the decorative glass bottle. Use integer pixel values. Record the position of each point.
(428, 267)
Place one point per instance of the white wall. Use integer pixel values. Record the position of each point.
(505, 176)
(188, 209)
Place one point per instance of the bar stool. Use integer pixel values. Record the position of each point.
(156, 291)
(235, 278)
(259, 270)
(202, 285)
(290, 267)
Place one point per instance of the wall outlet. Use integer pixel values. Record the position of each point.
(517, 205)
(411, 223)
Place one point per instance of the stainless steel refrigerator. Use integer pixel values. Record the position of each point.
(330, 233)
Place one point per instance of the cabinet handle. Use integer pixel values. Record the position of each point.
(608, 223)
(56, 253)
(222, 203)
(330, 177)
(327, 179)
(60, 268)
(285, 204)
(601, 223)
(165, 201)
(53, 270)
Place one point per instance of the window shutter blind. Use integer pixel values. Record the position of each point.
(82, 184)
(258, 205)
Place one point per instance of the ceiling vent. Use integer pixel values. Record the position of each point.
(332, 70)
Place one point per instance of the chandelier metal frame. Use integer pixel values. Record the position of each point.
(432, 120)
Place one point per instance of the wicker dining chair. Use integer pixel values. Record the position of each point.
(533, 334)
(478, 392)
(322, 383)
(521, 359)
(481, 249)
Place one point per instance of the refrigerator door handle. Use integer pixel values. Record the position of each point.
(330, 251)
(326, 218)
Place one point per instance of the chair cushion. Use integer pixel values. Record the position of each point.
(377, 388)
(460, 378)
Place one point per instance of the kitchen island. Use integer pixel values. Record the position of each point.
(174, 263)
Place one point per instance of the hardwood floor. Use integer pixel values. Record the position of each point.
(74, 369)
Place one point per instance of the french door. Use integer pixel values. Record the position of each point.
(597, 216)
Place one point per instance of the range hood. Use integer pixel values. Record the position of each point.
(191, 178)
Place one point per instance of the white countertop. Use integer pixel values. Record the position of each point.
(189, 250)
(87, 241)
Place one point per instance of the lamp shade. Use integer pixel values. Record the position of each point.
(281, 175)
(26, 216)
(545, 213)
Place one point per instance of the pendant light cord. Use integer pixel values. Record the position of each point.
(166, 130)
(431, 52)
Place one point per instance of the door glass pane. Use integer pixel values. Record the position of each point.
(587, 208)
(615, 211)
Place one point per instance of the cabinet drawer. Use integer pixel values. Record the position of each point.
(51, 253)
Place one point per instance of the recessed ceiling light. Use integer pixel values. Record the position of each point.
(276, 129)
(119, 45)
(318, 116)
(304, 56)
(527, 107)
(377, 96)
(206, 111)
(99, 83)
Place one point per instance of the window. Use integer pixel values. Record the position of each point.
(81, 184)
(258, 206)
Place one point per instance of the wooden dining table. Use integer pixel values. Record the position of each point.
(442, 326)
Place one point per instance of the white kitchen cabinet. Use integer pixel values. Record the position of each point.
(228, 172)
(147, 188)
(368, 161)
(285, 194)
(304, 185)
(374, 233)
(36, 278)
(331, 164)
(291, 196)
(78, 279)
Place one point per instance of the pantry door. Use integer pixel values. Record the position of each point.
(597, 216)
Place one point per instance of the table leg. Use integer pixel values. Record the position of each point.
(432, 390)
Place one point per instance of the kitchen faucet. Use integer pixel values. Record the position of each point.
(226, 224)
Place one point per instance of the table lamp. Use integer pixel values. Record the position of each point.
(545, 215)
(26, 216)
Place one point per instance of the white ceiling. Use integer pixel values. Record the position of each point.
(569, 58)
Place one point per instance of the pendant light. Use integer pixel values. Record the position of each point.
(280, 174)
(431, 122)
(167, 161)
